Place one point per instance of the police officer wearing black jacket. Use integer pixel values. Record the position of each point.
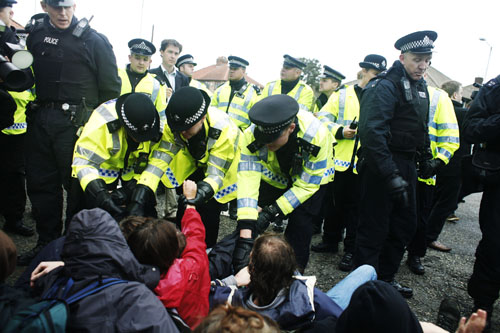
(75, 71)
(393, 128)
(482, 127)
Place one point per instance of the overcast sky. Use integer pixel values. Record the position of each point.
(337, 33)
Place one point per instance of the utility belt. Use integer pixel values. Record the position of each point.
(78, 114)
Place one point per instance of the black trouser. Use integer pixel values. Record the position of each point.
(300, 226)
(12, 177)
(484, 284)
(344, 212)
(385, 228)
(50, 140)
(444, 204)
(418, 244)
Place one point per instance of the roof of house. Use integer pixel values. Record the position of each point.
(219, 72)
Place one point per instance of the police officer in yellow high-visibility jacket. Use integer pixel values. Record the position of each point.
(114, 146)
(444, 141)
(136, 78)
(339, 113)
(286, 161)
(186, 65)
(236, 97)
(291, 85)
(200, 143)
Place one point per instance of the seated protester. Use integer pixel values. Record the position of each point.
(275, 290)
(185, 281)
(95, 249)
(226, 318)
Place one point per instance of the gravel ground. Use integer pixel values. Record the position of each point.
(446, 273)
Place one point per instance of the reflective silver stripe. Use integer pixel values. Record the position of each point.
(225, 191)
(224, 164)
(247, 203)
(92, 156)
(154, 170)
(444, 152)
(156, 89)
(444, 126)
(220, 126)
(86, 171)
(452, 139)
(316, 165)
(310, 179)
(77, 161)
(271, 88)
(248, 99)
(224, 104)
(297, 94)
(291, 198)
(433, 106)
(218, 96)
(104, 112)
(245, 157)
(342, 95)
(217, 179)
(116, 143)
(239, 107)
(249, 166)
(326, 115)
(239, 118)
(312, 130)
(162, 156)
(211, 170)
(171, 147)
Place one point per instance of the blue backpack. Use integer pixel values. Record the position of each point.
(51, 314)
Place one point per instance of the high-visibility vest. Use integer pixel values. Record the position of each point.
(302, 93)
(200, 85)
(22, 99)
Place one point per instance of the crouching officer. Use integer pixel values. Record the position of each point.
(114, 146)
(200, 143)
(286, 161)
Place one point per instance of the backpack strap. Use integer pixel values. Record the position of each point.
(92, 289)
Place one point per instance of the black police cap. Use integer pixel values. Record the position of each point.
(271, 116)
(417, 42)
(237, 62)
(331, 73)
(142, 47)
(139, 116)
(7, 3)
(186, 107)
(374, 61)
(293, 62)
(185, 59)
(60, 3)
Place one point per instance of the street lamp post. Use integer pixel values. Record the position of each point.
(489, 57)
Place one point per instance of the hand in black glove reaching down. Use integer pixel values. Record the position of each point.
(427, 169)
(397, 188)
(266, 216)
(204, 193)
(98, 193)
(140, 196)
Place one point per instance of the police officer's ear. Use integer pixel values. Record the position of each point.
(402, 57)
(291, 128)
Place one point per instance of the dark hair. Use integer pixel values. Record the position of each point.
(226, 318)
(272, 265)
(166, 42)
(8, 256)
(154, 242)
(451, 87)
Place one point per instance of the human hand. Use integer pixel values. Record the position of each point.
(43, 268)
(475, 324)
(348, 133)
(242, 277)
(169, 92)
(189, 189)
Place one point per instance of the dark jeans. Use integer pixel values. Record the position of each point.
(50, 141)
(385, 228)
(12, 177)
(418, 244)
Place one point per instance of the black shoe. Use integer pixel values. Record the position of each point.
(415, 265)
(406, 292)
(448, 315)
(19, 228)
(346, 263)
(325, 247)
(26, 258)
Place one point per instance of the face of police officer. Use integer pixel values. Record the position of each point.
(236, 73)
(189, 133)
(139, 63)
(60, 17)
(290, 73)
(327, 85)
(366, 75)
(170, 55)
(416, 64)
(6, 14)
(187, 69)
(282, 140)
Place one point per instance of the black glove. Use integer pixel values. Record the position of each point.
(397, 188)
(140, 196)
(121, 196)
(266, 216)
(428, 168)
(204, 193)
(241, 253)
(98, 192)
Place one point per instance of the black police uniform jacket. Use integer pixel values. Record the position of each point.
(392, 122)
(68, 67)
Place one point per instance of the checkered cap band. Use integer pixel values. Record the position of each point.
(274, 129)
(189, 60)
(416, 44)
(142, 46)
(131, 126)
(195, 117)
(377, 65)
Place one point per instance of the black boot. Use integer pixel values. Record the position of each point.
(346, 263)
(448, 315)
(18, 227)
(406, 292)
(415, 265)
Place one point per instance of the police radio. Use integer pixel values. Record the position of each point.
(354, 124)
(82, 26)
(407, 89)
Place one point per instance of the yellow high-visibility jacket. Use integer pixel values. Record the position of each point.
(100, 150)
(242, 102)
(22, 99)
(172, 163)
(263, 165)
(302, 93)
(340, 110)
(443, 128)
(200, 85)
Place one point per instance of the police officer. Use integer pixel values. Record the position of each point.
(114, 146)
(136, 78)
(482, 127)
(75, 71)
(186, 65)
(340, 114)
(329, 82)
(393, 127)
(286, 161)
(200, 143)
(291, 84)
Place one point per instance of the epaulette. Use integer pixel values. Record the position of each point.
(309, 147)
(257, 89)
(254, 146)
(492, 82)
(214, 133)
(114, 125)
